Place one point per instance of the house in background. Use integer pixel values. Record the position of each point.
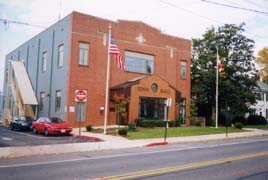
(261, 106)
(62, 72)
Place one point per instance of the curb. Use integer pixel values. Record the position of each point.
(90, 138)
(156, 144)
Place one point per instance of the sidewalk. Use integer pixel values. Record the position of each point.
(114, 142)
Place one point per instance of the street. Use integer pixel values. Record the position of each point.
(10, 138)
(243, 159)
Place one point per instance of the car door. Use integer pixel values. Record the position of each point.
(38, 124)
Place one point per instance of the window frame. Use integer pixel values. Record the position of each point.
(83, 61)
(81, 111)
(58, 100)
(147, 59)
(42, 101)
(44, 61)
(60, 55)
(183, 69)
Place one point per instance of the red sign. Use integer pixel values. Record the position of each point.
(81, 95)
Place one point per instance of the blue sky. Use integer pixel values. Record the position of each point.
(182, 18)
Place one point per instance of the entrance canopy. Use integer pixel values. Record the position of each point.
(146, 97)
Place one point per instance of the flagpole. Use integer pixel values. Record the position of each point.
(107, 82)
(217, 89)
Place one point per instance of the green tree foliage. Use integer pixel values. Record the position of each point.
(236, 52)
(262, 61)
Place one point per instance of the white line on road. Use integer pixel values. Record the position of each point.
(127, 154)
(30, 135)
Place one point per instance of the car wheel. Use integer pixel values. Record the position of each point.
(11, 127)
(46, 132)
(34, 130)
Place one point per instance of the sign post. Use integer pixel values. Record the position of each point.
(80, 96)
(167, 105)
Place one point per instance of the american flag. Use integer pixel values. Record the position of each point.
(115, 51)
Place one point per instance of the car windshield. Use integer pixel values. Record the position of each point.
(55, 120)
(28, 119)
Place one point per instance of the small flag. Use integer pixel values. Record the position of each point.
(115, 51)
(220, 67)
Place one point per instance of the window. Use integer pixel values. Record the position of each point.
(57, 101)
(42, 101)
(60, 56)
(83, 53)
(183, 111)
(81, 111)
(140, 63)
(44, 61)
(260, 96)
(266, 114)
(266, 94)
(183, 69)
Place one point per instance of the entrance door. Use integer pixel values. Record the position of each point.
(151, 108)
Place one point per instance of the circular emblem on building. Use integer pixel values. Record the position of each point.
(154, 87)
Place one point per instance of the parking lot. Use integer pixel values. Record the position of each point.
(10, 138)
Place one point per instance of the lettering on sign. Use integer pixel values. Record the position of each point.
(165, 91)
(143, 89)
(81, 95)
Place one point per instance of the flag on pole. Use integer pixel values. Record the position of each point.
(115, 51)
(220, 67)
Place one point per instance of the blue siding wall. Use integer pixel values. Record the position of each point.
(54, 78)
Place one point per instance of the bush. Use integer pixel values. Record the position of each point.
(256, 120)
(238, 125)
(89, 127)
(122, 131)
(240, 119)
(131, 127)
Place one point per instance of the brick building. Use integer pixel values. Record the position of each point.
(72, 55)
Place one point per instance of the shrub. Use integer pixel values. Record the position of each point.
(256, 120)
(122, 131)
(240, 119)
(131, 127)
(238, 125)
(89, 127)
(198, 123)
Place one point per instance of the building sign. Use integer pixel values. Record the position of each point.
(143, 89)
(81, 95)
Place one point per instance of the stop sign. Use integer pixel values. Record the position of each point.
(81, 95)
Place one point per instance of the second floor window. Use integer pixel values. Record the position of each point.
(183, 70)
(83, 53)
(60, 56)
(138, 62)
(44, 61)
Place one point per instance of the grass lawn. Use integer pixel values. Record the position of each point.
(148, 133)
(257, 126)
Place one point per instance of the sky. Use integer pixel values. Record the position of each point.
(182, 18)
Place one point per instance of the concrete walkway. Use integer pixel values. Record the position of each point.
(114, 142)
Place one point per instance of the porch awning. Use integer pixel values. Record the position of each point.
(24, 84)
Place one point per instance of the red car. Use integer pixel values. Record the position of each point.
(51, 125)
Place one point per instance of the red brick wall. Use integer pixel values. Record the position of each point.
(86, 28)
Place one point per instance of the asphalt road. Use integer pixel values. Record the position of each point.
(10, 138)
(243, 159)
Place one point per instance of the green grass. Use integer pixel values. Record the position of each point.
(257, 126)
(148, 133)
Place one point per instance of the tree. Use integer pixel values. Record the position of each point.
(262, 62)
(236, 52)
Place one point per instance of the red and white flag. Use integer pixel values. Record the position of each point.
(118, 57)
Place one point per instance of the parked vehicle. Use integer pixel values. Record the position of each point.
(21, 123)
(51, 125)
